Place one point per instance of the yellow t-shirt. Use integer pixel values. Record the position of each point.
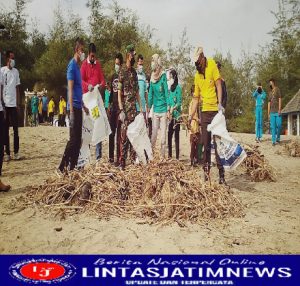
(195, 128)
(62, 106)
(205, 87)
(51, 106)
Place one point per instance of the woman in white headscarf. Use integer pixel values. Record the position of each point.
(158, 98)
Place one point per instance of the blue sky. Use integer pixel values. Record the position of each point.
(224, 25)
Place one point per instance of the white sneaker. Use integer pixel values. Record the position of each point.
(6, 158)
(17, 156)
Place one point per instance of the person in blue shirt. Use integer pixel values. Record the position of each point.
(35, 108)
(45, 107)
(70, 157)
(260, 96)
(142, 86)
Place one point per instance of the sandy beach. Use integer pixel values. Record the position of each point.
(271, 223)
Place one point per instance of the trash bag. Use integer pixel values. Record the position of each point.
(230, 152)
(93, 101)
(87, 133)
(138, 137)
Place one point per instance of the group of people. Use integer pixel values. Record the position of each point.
(128, 93)
(43, 111)
(274, 111)
(124, 96)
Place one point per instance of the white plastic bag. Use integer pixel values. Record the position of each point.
(93, 101)
(230, 152)
(87, 131)
(138, 137)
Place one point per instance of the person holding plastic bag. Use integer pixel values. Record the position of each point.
(158, 98)
(92, 74)
(70, 157)
(128, 94)
(175, 101)
(208, 87)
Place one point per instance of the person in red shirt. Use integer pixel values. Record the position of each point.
(91, 75)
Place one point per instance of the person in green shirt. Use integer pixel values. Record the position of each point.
(158, 98)
(175, 101)
(35, 108)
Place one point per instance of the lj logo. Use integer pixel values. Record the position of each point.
(42, 271)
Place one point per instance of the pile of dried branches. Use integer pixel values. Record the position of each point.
(257, 166)
(293, 149)
(160, 192)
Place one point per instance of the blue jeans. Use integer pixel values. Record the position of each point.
(99, 151)
(258, 121)
(275, 121)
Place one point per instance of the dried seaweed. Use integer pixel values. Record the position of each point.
(293, 148)
(160, 192)
(256, 165)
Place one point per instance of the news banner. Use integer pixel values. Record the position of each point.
(118, 270)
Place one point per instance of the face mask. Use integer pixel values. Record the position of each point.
(12, 63)
(140, 69)
(82, 56)
(117, 68)
(153, 66)
(132, 61)
(171, 81)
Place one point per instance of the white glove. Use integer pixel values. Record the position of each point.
(90, 88)
(221, 108)
(122, 116)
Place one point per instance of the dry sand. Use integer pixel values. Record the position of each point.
(271, 223)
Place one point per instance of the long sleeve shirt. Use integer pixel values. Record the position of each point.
(259, 97)
(91, 74)
(158, 95)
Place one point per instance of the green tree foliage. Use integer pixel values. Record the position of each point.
(42, 58)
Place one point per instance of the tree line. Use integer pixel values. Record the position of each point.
(42, 58)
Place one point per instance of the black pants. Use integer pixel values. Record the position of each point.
(150, 127)
(62, 120)
(206, 118)
(51, 117)
(72, 150)
(11, 117)
(41, 118)
(44, 113)
(171, 130)
(115, 126)
(2, 140)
